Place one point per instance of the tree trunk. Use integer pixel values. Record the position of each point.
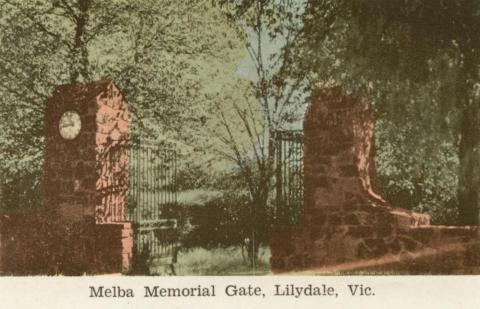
(469, 169)
(79, 56)
(259, 223)
(468, 152)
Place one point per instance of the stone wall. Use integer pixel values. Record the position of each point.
(347, 223)
(32, 244)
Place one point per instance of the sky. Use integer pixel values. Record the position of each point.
(246, 68)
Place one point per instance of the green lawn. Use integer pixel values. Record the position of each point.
(220, 261)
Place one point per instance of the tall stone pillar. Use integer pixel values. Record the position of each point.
(85, 179)
(86, 127)
(348, 224)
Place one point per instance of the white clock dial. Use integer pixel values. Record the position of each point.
(70, 125)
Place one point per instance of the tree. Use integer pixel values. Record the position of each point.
(398, 48)
(149, 49)
(270, 104)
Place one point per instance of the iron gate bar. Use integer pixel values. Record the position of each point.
(156, 227)
(288, 176)
(153, 184)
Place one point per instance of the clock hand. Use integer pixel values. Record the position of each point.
(67, 124)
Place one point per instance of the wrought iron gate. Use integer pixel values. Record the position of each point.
(152, 204)
(151, 187)
(288, 176)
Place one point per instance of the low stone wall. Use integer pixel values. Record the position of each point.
(383, 248)
(347, 223)
(31, 243)
(113, 247)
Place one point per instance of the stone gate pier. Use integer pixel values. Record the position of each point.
(81, 227)
(347, 224)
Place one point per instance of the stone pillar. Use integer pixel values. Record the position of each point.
(348, 225)
(85, 181)
(87, 176)
(342, 207)
(82, 226)
(338, 150)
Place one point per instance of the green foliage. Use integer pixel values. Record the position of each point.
(221, 222)
(20, 192)
(170, 72)
(247, 126)
(414, 60)
(417, 150)
(416, 175)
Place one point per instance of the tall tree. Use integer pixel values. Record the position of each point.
(271, 103)
(401, 47)
(149, 48)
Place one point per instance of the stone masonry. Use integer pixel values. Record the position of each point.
(82, 227)
(348, 225)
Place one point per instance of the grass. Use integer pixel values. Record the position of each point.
(220, 262)
(230, 262)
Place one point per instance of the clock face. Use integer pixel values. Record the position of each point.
(70, 125)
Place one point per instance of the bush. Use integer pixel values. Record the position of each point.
(22, 192)
(221, 222)
(418, 172)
